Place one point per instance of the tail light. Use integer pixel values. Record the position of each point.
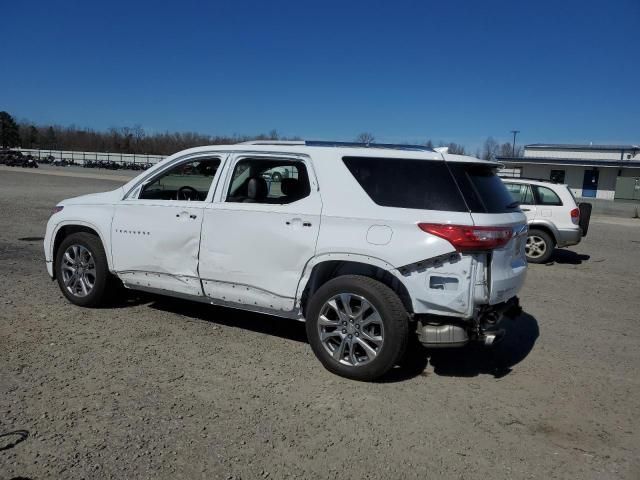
(575, 216)
(465, 238)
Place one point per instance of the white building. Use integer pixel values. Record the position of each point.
(596, 171)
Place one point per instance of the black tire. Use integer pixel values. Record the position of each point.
(395, 321)
(104, 282)
(548, 242)
(276, 177)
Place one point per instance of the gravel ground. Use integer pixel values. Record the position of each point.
(161, 388)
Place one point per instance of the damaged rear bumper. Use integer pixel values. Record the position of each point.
(484, 327)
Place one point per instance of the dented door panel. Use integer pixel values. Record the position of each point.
(157, 246)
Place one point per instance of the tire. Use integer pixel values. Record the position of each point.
(540, 246)
(102, 282)
(386, 333)
(276, 177)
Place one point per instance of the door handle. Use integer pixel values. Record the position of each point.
(192, 216)
(297, 222)
(525, 209)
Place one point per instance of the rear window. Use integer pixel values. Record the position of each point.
(404, 183)
(483, 190)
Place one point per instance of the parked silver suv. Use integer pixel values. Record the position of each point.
(555, 218)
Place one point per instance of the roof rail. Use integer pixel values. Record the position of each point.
(394, 146)
(272, 142)
(321, 143)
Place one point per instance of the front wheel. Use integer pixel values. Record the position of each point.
(539, 246)
(82, 270)
(357, 327)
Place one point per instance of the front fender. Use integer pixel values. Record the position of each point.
(104, 233)
(546, 224)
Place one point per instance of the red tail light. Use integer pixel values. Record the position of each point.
(466, 238)
(575, 215)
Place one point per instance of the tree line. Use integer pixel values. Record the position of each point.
(136, 140)
(118, 140)
(490, 149)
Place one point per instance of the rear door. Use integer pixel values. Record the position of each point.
(491, 205)
(550, 207)
(260, 232)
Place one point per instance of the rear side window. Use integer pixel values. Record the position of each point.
(259, 180)
(404, 183)
(483, 190)
(546, 196)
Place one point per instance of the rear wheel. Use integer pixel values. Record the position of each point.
(357, 327)
(82, 270)
(539, 246)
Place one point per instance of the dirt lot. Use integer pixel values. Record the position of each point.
(159, 388)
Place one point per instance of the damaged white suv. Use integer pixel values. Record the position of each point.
(368, 244)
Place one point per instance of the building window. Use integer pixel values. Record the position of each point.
(557, 176)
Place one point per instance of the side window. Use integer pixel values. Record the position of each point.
(277, 182)
(521, 193)
(514, 189)
(546, 196)
(406, 183)
(186, 181)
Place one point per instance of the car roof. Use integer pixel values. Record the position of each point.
(532, 181)
(414, 152)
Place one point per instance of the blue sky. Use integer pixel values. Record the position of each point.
(559, 71)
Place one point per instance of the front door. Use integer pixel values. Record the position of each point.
(522, 193)
(156, 231)
(590, 183)
(260, 232)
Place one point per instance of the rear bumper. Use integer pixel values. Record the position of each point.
(566, 238)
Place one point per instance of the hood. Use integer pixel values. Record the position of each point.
(95, 198)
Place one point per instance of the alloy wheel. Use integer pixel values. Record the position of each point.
(78, 270)
(350, 329)
(535, 247)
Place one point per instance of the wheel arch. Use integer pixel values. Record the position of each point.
(332, 266)
(547, 228)
(67, 228)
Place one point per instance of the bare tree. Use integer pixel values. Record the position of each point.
(489, 149)
(365, 138)
(456, 149)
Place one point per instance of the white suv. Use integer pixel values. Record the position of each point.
(554, 217)
(368, 244)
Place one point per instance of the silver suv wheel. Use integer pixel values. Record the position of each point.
(350, 329)
(535, 247)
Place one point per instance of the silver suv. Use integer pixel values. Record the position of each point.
(555, 218)
(368, 244)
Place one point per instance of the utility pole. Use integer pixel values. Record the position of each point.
(513, 151)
